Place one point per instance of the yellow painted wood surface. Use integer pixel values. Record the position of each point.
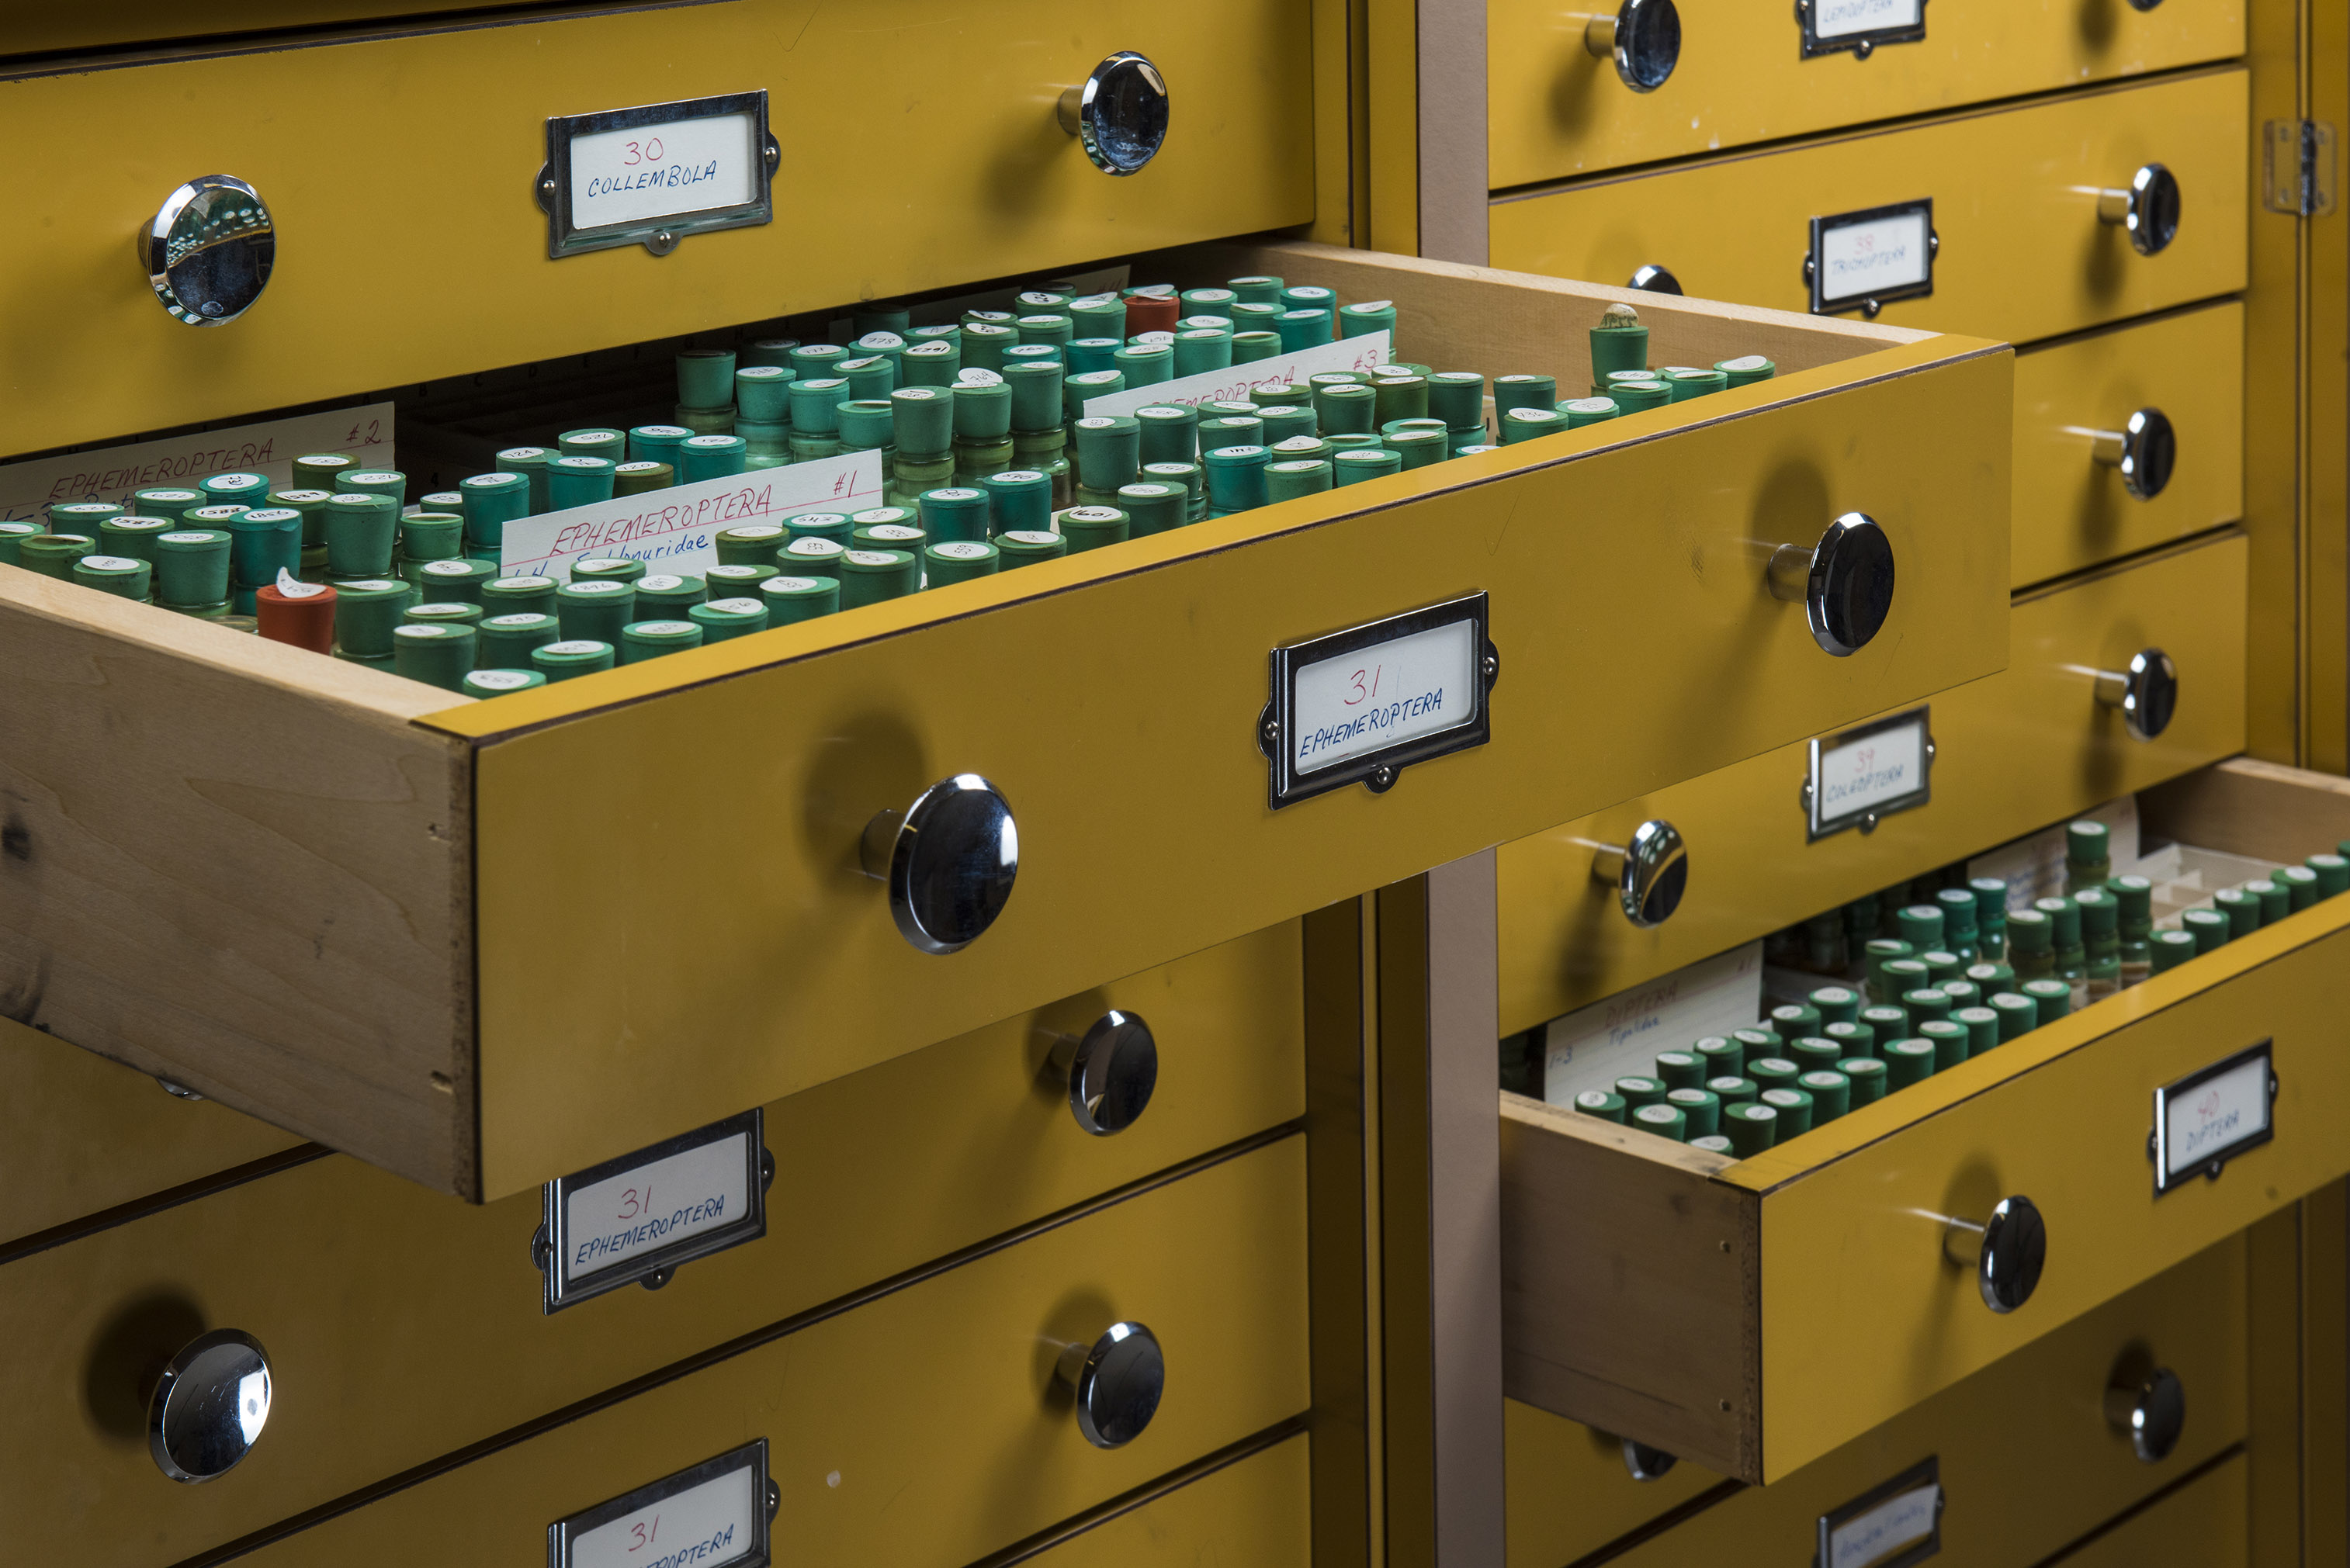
(2023, 254)
(951, 159)
(2016, 752)
(1253, 1514)
(2071, 511)
(1557, 111)
(924, 1429)
(401, 1325)
(1569, 1493)
(2204, 1524)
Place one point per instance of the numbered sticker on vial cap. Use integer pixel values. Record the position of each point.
(634, 1220)
(716, 1514)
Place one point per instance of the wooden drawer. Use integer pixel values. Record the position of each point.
(1675, 1295)
(922, 1428)
(953, 154)
(410, 932)
(2023, 255)
(2072, 511)
(401, 1325)
(1565, 944)
(2028, 1463)
(1249, 1512)
(85, 1137)
(1556, 111)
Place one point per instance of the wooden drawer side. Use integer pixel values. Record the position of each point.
(1629, 1286)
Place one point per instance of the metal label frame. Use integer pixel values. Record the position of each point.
(659, 235)
(563, 1532)
(1927, 1471)
(1816, 827)
(1375, 770)
(2209, 1168)
(1814, 274)
(1862, 44)
(653, 1267)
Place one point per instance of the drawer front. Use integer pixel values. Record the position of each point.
(962, 120)
(129, 22)
(923, 1428)
(401, 1325)
(2028, 1462)
(1254, 1512)
(2074, 511)
(2023, 255)
(81, 1135)
(1557, 111)
(1569, 1493)
(2207, 1524)
(1564, 943)
(1857, 1241)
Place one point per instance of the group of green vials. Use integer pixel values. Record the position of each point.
(1951, 977)
(975, 422)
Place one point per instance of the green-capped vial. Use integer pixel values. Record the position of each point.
(167, 500)
(1756, 1042)
(1717, 1143)
(705, 378)
(1865, 1080)
(1746, 369)
(1831, 1093)
(1961, 993)
(454, 579)
(596, 441)
(1920, 925)
(1836, 1004)
(2169, 950)
(367, 611)
(1036, 390)
(2300, 884)
(1720, 1055)
(724, 619)
(267, 540)
(2088, 855)
(1878, 952)
(1858, 1039)
(1952, 1041)
(922, 419)
(498, 682)
(1925, 1004)
(2018, 1014)
(1907, 1062)
(1580, 412)
(530, 462)
(1796, 1110)
(1525, 424)
(361, 529)
(1109, 450)
(1796, 1020)
(954, 561)
(1345, 408)
(508, 636)
(1539, 394)
(453, 612)
(643, 640)
(1664, 1120)
(2051, 998)
(1811, 1052)
(1151, 508)
(580, 481)
(1365, 317)
(1731, 1089)
(1941, 964)
(192, 566)
(1681, 1069)
(2275, 902)
(1400, 398)
(1458, 398)
(1639, 1090)
(812, 556)
(956, 513)
(438, 653)
(492, 501)
(1619, 342)
(742, 582)
(572, 656)
(252, 489)
(321, 470)
(1091, 527)
(2333, 873)
(1019, 499)
(1287, 480)
(1024, 546)
(1902, 975)
(790, 600)
(1772, 1072)
(663, 595)
(1700, 1110)
(124, 576)
(1886, 1022)
(1235, 478)
(2244, 911)
(1991, 976)
(1686, 381)
(1634, 397)
(2030, 947)
(1599, 1103)
(753, 543)
(1364, 462)
(83, 517)
(526, 592)
(595, 610)
(1751, 1128)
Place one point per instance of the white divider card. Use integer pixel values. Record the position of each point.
(1213, 386)
(678, 527)
(716, 1514)
(2209, 1117)
(1874, 255)
(1892, 1526)
(181, 462)
(638, 1217)
(1592, 1047)
(1869, 772)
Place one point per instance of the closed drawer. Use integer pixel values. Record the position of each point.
(2173, 391)
(2028, 1460)
(1249, 1512)
(923, 1428)
(1558, 110)
(954, 152)
(1569, 1491)
(2023, 255)
(134, 22)
(2207, 1524)
(2013, 754)
(401, 1325)
(429, 972)
(85, 1137)
(1672, 1294)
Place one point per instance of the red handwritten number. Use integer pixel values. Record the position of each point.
(643, 152)
(639, 1538)
(634, 1202)
(1355, 684)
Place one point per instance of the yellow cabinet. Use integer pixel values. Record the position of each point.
(1679, 1296)
(448, 963)
(1558, 110)
(401, 1325)
(2023, 253)
(1249, 1512)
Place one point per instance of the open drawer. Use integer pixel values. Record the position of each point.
(1753, 1315)
(488, 944)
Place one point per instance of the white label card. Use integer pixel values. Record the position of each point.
(181, 462)
(662, 171)
(2205, 1119)
(657, 1205)
(1868, 771)
(1886, 1530)
(1235, 384)
(1875, 256)
(676, 530)
(711, 1516)
(1592, 1047)
(1384, 695)
(1842, 18)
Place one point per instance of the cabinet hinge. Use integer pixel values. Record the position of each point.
(2300, 167)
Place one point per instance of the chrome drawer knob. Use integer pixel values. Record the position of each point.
(1655, 280)
(208, 250)
(2146, 450)
(209, 1407)
(949, 861)
(2146, 692)
(2149, 1408)
(2005, 1252)
(1112, 1068)
(2149, 209)
(1646, 1464)
(1648, 874)
(1118, 1380)
(1118, 114)
(1845, 583)
(1643, 38)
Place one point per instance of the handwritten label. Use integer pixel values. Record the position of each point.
(1384, 695)
(1868, 772)
(632, 175)
(1235, 384)
(657, 1205)
(1875, 255)
(2212, 1116)
(111, 473)
(1886, 1529)
(1842, 18)
(1592, 1047)
(677, 528)
(711, 1516)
